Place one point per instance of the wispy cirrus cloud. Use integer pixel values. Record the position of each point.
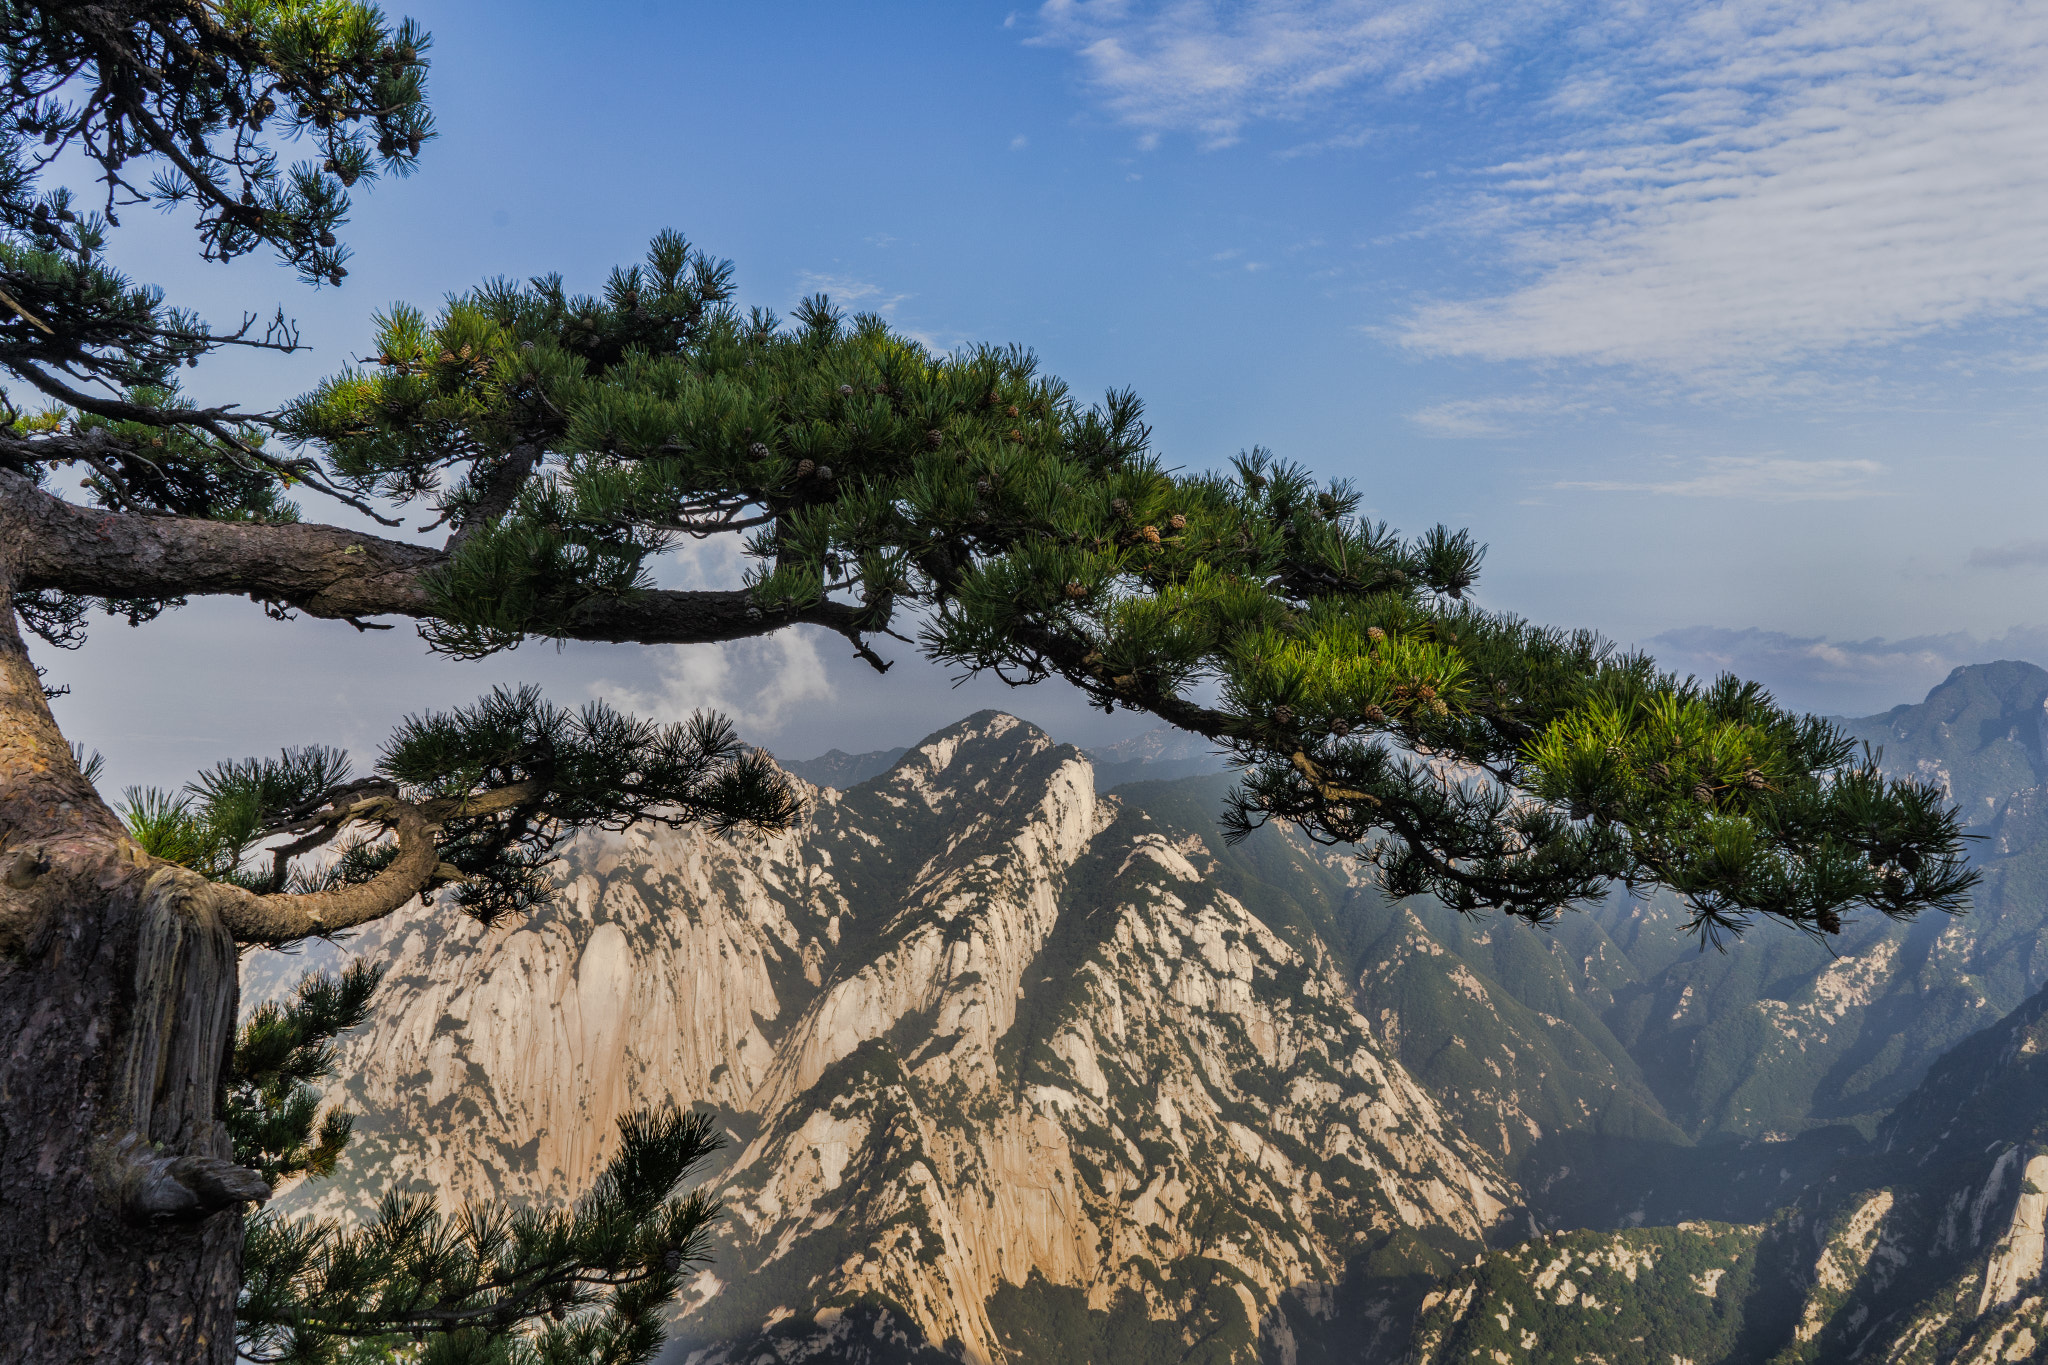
(1770, 183)
(864, 295)
(1753, 478)
(1497, 415)
(1712, 191)
(1209, 67)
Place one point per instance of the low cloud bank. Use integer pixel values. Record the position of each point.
(1840, 677)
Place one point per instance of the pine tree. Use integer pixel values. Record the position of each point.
(966, 506)
(490, 1285)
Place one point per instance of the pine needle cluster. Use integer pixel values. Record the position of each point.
(488, 1284)
(500, 781)
(969, 504)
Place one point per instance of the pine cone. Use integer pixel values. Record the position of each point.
(1013, 411)
(1340, 728)
(1177, 522)
(1283, 716)
(1703, 794)
(1374, 715)
(1150, 535)
(846, 390)
(1075, 592)
(1119, 507)
(1375, 634)
(824, 471)
(757, 451)
(934, 438)
(804, 468)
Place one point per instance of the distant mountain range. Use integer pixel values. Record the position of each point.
(1016, 1070)
(1159, 754)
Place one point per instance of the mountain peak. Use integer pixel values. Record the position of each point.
(1978, 735)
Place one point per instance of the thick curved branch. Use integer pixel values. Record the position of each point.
(283, 919)
(325, 571)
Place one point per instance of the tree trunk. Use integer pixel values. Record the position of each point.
(120, 1205)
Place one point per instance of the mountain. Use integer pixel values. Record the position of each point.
(1012, 1072)
(1923, 1245)
(1160, 753)
(1978, 735)
(1779, 1035)
(1925, 1250)
(1017, 1070)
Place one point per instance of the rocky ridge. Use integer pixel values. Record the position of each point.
(1007, 1066)
(1926, 1250)
(1014, 1071)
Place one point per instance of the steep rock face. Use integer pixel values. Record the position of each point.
(1927, 1250)
(1008, 1066)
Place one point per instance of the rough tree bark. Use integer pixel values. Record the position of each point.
(120, 1204)
(120, 1230)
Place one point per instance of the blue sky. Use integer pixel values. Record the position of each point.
(1721, 323)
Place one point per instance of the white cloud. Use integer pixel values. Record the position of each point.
(1753, 478)
(1843, 677)
(863, 295)
(1716, 191)
(1210, 67)
(760, 684)
(1494, 416)
(1780, 182)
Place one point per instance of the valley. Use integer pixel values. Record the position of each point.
(1019, 1061)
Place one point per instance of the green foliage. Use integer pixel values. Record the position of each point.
(272, 1104)
(202, 84)
(175, 104)
(971, 499)
(488, 1284)
(501, 781)
(1649, 1295)
(1038, 1320)
(491, 1285)
(565, 771)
